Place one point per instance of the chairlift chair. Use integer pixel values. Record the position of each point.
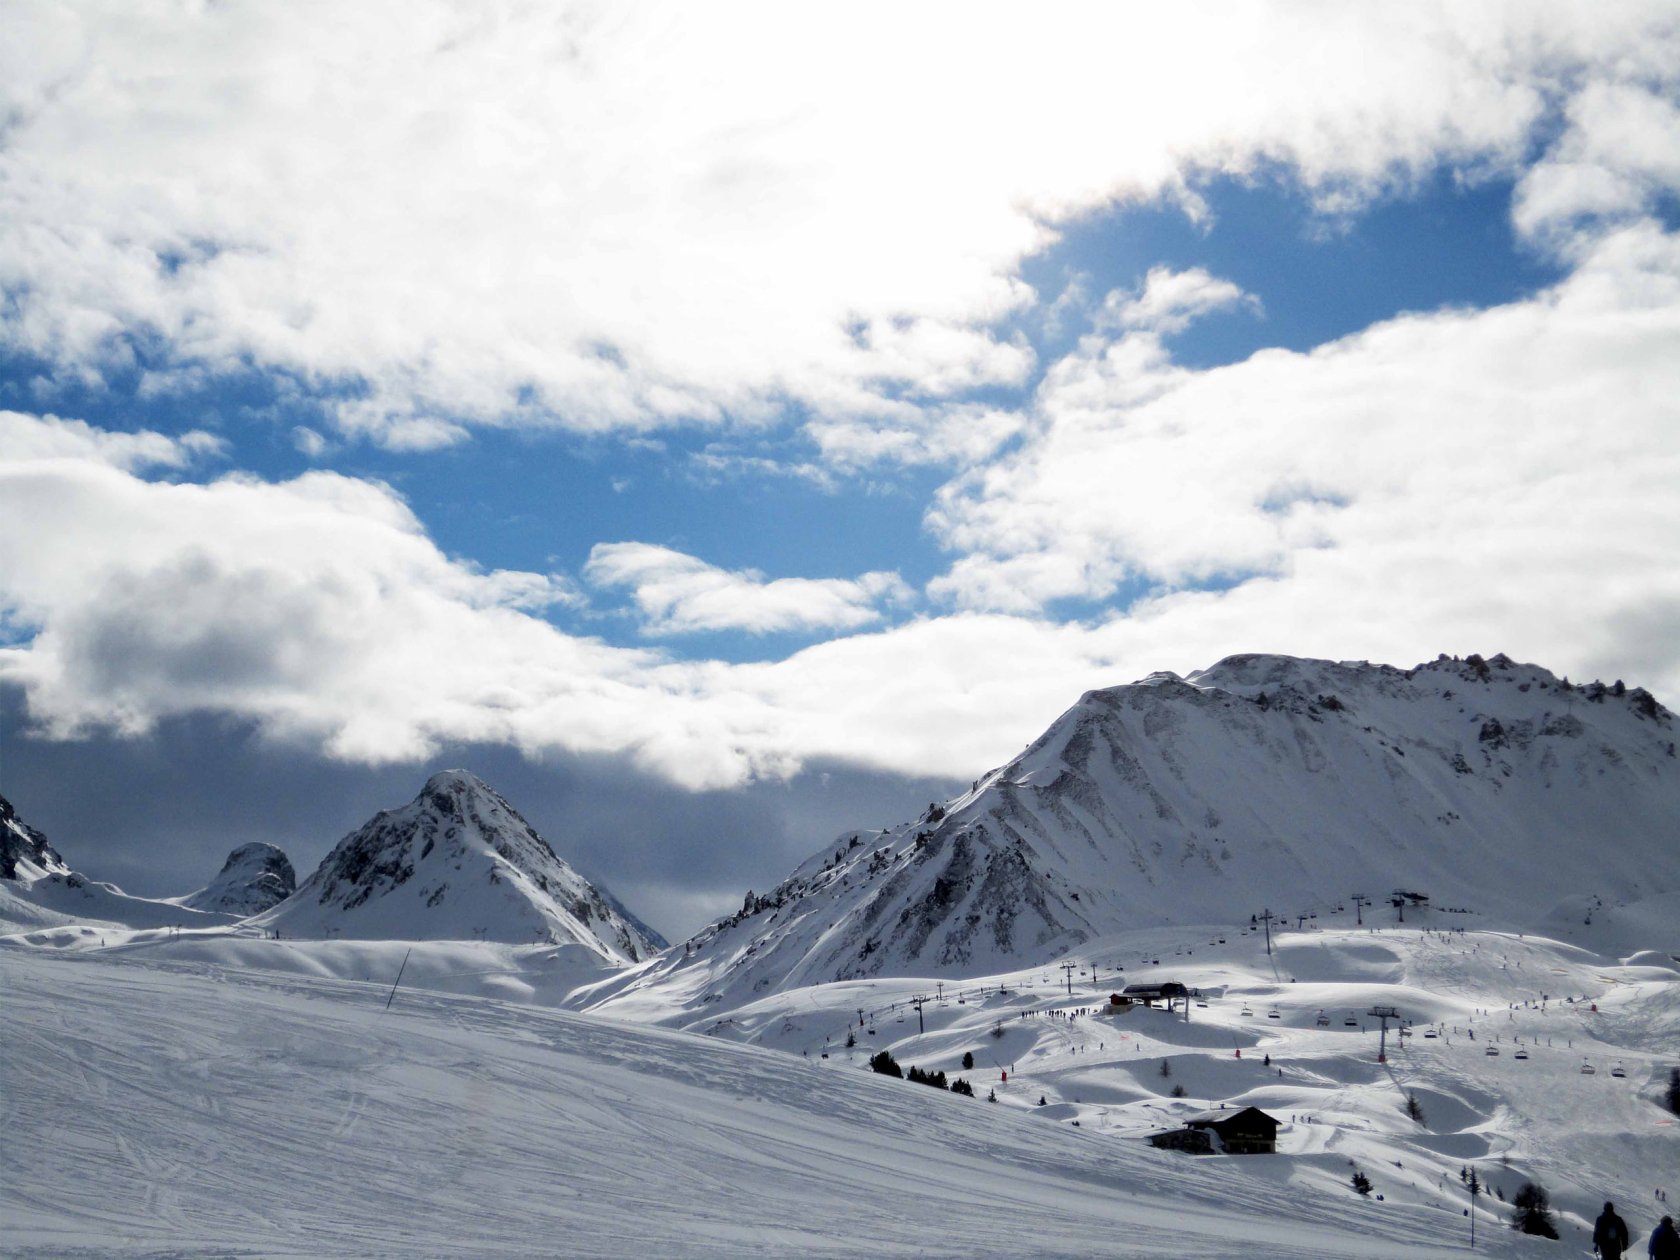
(1520, 1054)
(1429, 1034)
(1350, 1022)
(1323, 1020)
(1273, 1014)
(1588, 1069)
(1492, 1052)
(1619, 1072)
(1246, 1011)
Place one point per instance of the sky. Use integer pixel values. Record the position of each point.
(724, 426)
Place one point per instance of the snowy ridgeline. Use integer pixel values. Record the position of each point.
(456, 863)
(1266, 781)
(160, 1102)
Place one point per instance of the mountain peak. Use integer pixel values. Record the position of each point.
(454, 781)
(255, 877)
(1260, 781)
(457, 863)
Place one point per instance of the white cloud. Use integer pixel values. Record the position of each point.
(616, 217)
(48, 437)
(1171, 301)
(309, 442)
(1618, 154)
(1502, 476)
(319, 610)
(679, 594)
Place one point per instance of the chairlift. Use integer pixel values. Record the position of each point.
(1350, 1022)
(1492, 1052)
(1429, 1034)
(1246, 1011)
(1520, 1054)
(1619, 1072)
(962, 1001)
(1273, 1014)
(1588, 1069)
(1201, 1003)
(1323, 1020)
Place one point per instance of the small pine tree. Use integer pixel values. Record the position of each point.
(1178, 1091)
(968, 1061)
(991, 1095)
(960, 1086)
(1672, 1096)
(1041, 1101)
(1166, 1068)
(1361, 1183)
(1414, 1108)
(1531, 1211)
(884, 1063)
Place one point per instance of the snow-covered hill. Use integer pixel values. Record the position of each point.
(159, 1107)
(1263, 782)
(455, 863)
(254, 878)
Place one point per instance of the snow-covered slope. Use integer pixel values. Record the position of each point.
(455, 863)
(191, 1109)
(1265, 781)
(254, 878)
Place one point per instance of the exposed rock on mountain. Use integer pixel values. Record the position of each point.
(24, 852)
(456, 863)
(1265, 781)
(255, 878)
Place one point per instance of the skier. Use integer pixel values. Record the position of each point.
(1610, 1234)
(1665, 1243)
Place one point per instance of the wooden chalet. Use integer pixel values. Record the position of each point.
(1235, 1131)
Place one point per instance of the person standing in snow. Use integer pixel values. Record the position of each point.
(1610, 1234)
(1665, 1242)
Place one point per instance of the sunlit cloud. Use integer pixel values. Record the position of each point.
(615, 219)
(680, 594)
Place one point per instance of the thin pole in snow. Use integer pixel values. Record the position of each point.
(398, 980)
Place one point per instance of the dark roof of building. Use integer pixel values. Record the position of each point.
(1224, 1115)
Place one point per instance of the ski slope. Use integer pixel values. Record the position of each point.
(186, 1108)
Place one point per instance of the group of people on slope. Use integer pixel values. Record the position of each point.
(1611, 1237)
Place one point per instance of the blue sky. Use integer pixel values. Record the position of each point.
(620, 399)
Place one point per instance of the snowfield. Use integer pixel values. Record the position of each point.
(180, 1095)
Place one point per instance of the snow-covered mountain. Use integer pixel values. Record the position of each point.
(39, 890)
(255, 877)
(25, 854)
(1263, 782)
(455, 863)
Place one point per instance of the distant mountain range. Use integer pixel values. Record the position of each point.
(1263, 782)
(1479, 787)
